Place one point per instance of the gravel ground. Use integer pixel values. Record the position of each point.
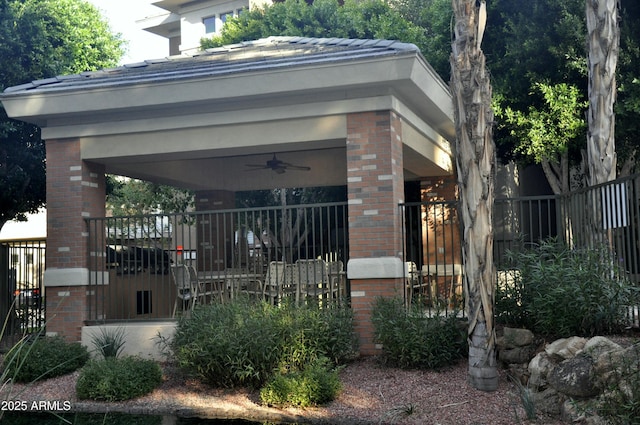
(371, 395)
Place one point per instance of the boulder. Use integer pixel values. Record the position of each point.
(517, 354)
(565, 348)
(612, 366)
(573, 377)
(539, 368)
(515, 337)
(599, 345)
(548, 401)
(580, 412)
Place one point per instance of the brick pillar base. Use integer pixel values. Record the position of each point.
(363, 295)
(66, 311)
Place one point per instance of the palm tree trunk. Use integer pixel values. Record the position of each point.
(604, 39)
(475, 162)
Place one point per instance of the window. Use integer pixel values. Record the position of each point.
(209, 24)
(224, 16)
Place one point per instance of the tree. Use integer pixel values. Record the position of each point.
(41, 39)
(546, 135)
(130, 197)
(434, 17)
(603, 41)
(475, 167)
(627, 108)
(322, 18)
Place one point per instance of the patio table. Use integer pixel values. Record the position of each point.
(232, 282)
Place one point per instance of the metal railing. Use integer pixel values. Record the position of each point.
(433, 262)
(22, 286)
(131, 258)
(607, 214)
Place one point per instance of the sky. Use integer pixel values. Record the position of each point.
(122, 16)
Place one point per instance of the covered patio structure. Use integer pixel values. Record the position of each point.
(370, 115)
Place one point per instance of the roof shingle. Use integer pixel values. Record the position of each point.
(264, 54)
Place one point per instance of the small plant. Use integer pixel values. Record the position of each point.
(318, 383)
(109, 342)
(410, 339)
(526, 398)
(397, 413)
(42, 358)
(116, 379)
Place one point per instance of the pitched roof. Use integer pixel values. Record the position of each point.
(270, 53)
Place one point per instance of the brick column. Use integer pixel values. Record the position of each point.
(75, 191)
(375, 181)
(215, 235)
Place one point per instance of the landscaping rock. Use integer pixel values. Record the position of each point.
(539, 368)
(565, 348)
(547, 401)
(573, 377)
(514, 337)
(598, 345)
(517, 355)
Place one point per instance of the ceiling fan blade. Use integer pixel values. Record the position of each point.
(278, 166)
(297, 167)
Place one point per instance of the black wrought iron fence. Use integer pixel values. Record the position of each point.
(22, 286)
(433, 262)
(607, 214)
(227, 253)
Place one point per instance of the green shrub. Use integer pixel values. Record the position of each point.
(109, 342)
(410, 339)
(317, 383)
(561, 292)
(242, 343)
(43, 358)
(115, 379)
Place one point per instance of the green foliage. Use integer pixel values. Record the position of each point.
(322, 18)
(43, 358)
(435, 17)
(41, 39)
(109, 341)
(562, 292)
(242, 343)
(410, 339)
(130, 197)
(548, 131)
(116, 379)
(317, 383)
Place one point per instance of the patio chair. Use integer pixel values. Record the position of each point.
(337, 277)
(214, 287)
(274, 281)
(186, 287)
(314, 279)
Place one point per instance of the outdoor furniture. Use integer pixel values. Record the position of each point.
(186, 287)
(337, 277)
(232, 281)
(432, 272)
(314, 279)
(412, 280)
(274, 281)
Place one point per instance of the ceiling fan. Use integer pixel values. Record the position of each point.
(280, 167)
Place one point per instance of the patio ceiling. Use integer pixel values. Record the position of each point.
(196, 122)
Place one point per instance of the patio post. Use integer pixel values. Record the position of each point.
(375, 187)
(75, 191)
